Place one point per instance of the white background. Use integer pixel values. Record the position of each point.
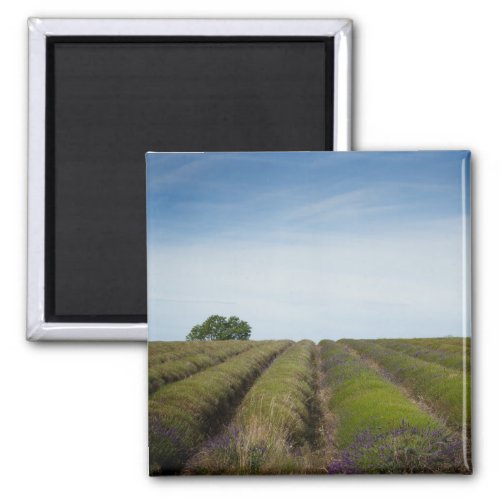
(73, 416)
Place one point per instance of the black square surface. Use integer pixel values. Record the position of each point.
(111, 99)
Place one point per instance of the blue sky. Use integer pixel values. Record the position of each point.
(308, 245)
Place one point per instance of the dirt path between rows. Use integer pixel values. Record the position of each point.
(323, 446)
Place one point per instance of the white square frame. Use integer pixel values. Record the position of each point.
(39, 29)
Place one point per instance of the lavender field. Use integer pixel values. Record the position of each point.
(337, 407)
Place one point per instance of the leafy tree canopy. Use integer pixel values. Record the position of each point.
(220, 328)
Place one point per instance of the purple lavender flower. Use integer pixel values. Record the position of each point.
(405, 449)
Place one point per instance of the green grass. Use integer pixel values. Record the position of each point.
(195, 358)
(440, 387)
(273, 420)
(183, 414)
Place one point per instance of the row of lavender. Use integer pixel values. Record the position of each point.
(272, 428)
(382, 425)
(183, 414)
(426, 375)
(169, 363)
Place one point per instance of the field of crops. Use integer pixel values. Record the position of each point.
(283, 407)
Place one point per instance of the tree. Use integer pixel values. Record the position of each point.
(220, 328)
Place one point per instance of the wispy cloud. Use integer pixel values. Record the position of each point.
(358, 203)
